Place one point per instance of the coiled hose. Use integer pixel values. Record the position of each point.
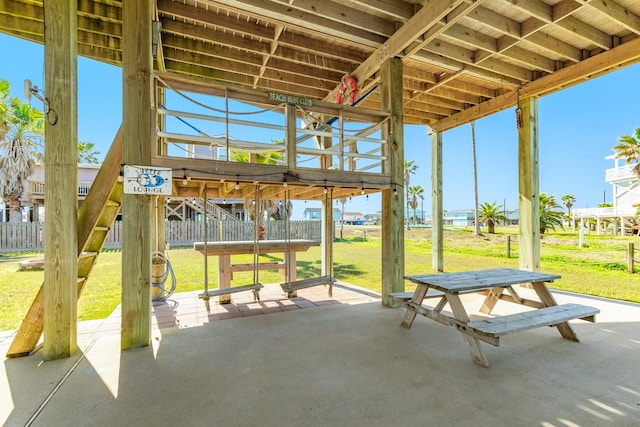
(160, 289)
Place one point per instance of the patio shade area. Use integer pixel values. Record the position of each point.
(321, 362)
(435, 63)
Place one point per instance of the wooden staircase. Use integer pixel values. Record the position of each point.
(95, 218)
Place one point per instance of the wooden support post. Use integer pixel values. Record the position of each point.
(392, 198)
(327, 235)
(291, 136)
(528, 185)
(437, 210)
(224, 277)
(61, 176)
(630, 255)
(159, 241)
(508, 246)
(137, 214)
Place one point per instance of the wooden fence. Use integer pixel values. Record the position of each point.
(21, 236)
(29, 236)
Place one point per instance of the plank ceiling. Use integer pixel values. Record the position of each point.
(462, 59)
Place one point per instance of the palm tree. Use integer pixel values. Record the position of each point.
(87, 153)
(421, 195)
(342, 200)
(409, 169)
(550, 213)
(491, 214)
(629, 148)
(568, 200)
(276, 209)
(415, 192)
(22, 132)
(4, 108)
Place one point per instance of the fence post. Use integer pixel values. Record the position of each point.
(509, 246)
(630, 258)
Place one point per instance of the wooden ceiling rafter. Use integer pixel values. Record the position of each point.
(461, 57)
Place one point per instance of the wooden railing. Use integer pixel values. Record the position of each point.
(22, 236)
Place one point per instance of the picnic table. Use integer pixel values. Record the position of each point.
(496, 284)
(224, 251)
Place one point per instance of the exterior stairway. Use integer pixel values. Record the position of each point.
(95, 218)
(214, 211)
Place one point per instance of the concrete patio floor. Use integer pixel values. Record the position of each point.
(320, 361)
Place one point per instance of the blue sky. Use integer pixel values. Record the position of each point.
(577, 128)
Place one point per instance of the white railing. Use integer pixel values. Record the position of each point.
(603, 212)
(36, 189)
(620, 173)
(21, 236)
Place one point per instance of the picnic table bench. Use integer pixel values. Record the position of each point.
(224, 251)
(495, 284)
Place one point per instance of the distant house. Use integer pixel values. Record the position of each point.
(32, 199)
(353, 218)
(316, 213)
(513, 217)
(460, 217)
(312, 213)
(373, 219)
(626, 194)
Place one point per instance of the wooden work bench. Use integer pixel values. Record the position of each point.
(224, 251)
(496, 284)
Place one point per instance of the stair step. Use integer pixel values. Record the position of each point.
(88, 254)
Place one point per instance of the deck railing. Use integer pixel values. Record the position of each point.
(232, 125)
(604, 212)
(620, 173)
(36, 189)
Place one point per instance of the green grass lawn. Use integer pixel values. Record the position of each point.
(599, 268)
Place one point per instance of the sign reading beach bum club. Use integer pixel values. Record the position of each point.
(147, 180)
(290, 99)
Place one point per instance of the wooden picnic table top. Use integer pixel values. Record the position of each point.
(248, 246)
(471, 281)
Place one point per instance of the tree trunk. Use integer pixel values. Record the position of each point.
(407, 202)
(476, 225)
(15, 210)
(491, 227)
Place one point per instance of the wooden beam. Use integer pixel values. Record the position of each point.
(61, 176)
(392, 198)
(528, 185)
(620, 56)
(615, 10)
(136, 209)
(282, 12)
(402, 39)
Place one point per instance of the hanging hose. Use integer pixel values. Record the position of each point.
(160, 289)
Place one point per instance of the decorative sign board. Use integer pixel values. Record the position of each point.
(147, 180)
(290, 99)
